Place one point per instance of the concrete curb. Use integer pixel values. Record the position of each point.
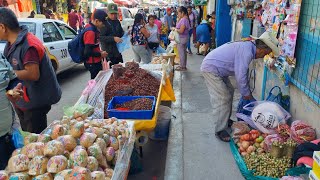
(174, 160)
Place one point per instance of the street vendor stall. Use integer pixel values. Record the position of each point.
(86, 143)
(266, 146)
(96, 95)
(129, 80)
(76, 147)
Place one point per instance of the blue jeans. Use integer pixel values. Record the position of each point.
(189, 44)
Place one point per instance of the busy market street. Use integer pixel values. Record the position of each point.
(159, 90)
(198, 136)
(72, 83)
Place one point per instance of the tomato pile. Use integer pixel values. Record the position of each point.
(251, 143)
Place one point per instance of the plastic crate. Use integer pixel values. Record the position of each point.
(131, 114)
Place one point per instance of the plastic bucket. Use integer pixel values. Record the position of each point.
(161, 131)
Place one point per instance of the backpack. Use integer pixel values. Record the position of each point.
(76, 46)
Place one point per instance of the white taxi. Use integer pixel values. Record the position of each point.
(55, 36)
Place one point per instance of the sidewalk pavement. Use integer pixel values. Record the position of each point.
(193, 150)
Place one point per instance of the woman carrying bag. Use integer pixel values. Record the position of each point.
(139, 40)
(153, 40)
(182, 28)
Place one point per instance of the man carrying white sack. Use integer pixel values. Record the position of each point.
(232, 59)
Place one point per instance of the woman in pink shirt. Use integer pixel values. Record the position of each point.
(158, 23)
(182, 28)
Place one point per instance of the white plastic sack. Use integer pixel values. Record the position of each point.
(170, 47)
(174, 36)
(267, 115)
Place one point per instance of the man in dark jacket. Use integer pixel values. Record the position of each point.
(31, 64)
(111, 34)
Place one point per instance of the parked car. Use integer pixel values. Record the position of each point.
(55, 36)
(125, 16)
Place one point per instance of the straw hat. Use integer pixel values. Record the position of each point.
(270, 41)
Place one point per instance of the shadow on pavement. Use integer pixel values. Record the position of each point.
(153, 161)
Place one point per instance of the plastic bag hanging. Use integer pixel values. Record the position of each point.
(125, 44)
(17, 138)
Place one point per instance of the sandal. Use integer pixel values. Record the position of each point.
(223, 136)
(230, 122)
(179, 68)
(198, 53)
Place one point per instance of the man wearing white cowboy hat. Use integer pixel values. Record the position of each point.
(232, 59)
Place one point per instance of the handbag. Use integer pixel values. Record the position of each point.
(153, 45)
(282, 100)
(243, 102)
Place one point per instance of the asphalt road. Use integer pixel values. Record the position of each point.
(72, 83)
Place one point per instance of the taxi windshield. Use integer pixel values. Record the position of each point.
(31, 26)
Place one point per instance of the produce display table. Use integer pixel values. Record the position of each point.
(95, 97)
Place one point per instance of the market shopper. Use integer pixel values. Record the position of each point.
(49, 14)
(182, 28)
(168, 21)
(8, 120)
(30, 62)
(196, 13)
(93, 54)
(153, 40)
(192, 19)
(111, 34)
(203, 33)
(174, 14)
(212, 21)
(81, 21)
(32, 14)
(59, 17)
(139, 35)
(158, 23)
(73, 19)
(232, 59)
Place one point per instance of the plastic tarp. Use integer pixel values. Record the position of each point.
(295, 171)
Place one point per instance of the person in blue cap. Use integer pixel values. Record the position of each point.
(203, 34)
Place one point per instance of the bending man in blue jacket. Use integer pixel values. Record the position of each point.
(232, 59)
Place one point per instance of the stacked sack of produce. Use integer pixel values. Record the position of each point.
(70, 149)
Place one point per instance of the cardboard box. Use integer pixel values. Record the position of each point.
(313, 176)
(316, 163)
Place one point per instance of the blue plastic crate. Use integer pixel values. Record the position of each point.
(132, 114)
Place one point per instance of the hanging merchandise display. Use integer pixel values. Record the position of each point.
(243, 14)
(281, 19)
